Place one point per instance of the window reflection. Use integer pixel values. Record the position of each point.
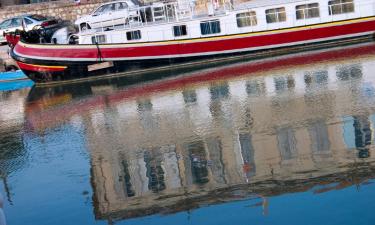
(190, 96)
(198, 160)
(287, 142)
(349, 72)
(255, 88)
(319, 77)
(363, 134)
(215, 150)
(155, 172)
(247, 153)
(129, 189)
(284, 83)
(148, 121)
(319, 137)
(219, 91)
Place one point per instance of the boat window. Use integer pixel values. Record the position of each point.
(246, 19)
(307, 11)
(179, 30)
(340, 6)
(98, 39)
(210, 27)
(276, 15)
(133, 35)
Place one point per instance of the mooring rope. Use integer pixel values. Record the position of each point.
(99, 55)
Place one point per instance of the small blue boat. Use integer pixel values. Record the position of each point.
(12, 76)
(14, 80)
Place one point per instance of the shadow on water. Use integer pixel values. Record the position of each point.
(248, 131)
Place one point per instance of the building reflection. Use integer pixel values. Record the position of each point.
(298, 142)
(349, 72)
(363, 135)
(179, 148)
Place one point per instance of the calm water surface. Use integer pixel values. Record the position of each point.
(287, 140)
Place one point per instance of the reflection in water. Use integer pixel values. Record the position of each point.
(287, 143)
(283, 83)
(255, 87)
(349, 72)
(236, 132)
(363, 134)
(198, 162)
(129, 189)
(155, 172)
(316, 78)
(247, 153)
(319, 137)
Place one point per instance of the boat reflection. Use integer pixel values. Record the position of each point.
(221, 135)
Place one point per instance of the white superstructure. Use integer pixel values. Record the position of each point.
(182, 20)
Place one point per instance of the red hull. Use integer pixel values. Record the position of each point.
(203, 46)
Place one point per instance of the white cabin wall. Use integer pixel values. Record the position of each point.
(195, 29)
(324, 13)
(290, 15)
(228, 22)
(365, 8)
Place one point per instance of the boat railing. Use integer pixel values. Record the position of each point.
(161, 13)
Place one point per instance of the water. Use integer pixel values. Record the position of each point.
(287, 140)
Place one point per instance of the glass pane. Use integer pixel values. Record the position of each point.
(271, 18)
(205, 28)
(300, 11)
(282, 17)
(246, 19)
(215, 27)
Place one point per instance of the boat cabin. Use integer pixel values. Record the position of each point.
(183, 20)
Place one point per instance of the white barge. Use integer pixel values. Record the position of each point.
(170, 33)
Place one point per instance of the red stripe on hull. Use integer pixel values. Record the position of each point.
(217, 46)
(38, 68)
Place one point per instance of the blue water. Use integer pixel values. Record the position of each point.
(347, 206)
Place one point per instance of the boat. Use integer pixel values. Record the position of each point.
(12, 76)
(174, 34)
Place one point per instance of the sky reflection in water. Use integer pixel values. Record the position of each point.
(287, 140)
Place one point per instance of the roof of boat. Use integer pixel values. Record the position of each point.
(265, 3)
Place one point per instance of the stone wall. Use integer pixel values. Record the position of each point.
(65, 10)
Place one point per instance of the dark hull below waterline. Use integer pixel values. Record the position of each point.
(79, 72)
